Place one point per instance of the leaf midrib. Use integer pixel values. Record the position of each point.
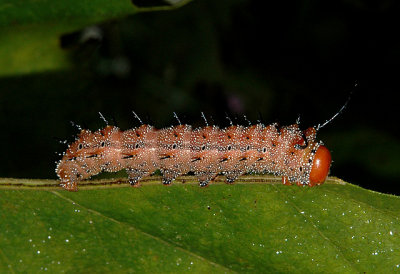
(160, 240)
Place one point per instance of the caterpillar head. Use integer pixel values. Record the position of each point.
(320, 166)
(321, 161)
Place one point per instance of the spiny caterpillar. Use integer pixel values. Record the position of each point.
(208, 151)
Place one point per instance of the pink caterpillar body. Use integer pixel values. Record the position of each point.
(208, 151)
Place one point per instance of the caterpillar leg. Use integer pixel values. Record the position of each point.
(169, 176)
(134, 175)
(70, 186)
(232, 175)
(285, 181)
(205, 178)
(203, 183)
(70, 174)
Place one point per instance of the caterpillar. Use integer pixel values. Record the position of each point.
(208, 151)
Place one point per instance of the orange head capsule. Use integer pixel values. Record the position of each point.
(320, 166)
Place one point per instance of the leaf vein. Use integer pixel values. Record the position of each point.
(165, 242)
(317, 229)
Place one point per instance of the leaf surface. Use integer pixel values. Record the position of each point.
(256, 225)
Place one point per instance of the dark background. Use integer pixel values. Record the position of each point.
(269, 61)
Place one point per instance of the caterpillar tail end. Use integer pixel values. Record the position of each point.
(67, 182)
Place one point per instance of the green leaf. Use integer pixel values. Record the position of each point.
(30, 30)
(256, 225)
